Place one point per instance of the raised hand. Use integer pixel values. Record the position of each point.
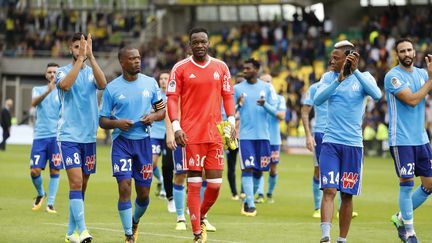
(89, 49)
(51, 84)
(82, 53)
(428, 59)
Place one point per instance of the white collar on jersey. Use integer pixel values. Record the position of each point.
(201, 66)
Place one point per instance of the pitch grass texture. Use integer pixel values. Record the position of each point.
(289, 219)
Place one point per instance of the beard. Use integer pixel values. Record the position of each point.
(407, 61)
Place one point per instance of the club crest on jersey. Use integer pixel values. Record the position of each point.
(116, 168)
(172, 86)
(68, 161)
(191, 162)
(216, 75)
(324, 180)
(395, 82)
(262, 93)
(349, 180)
(91, 78)
(146, 93)
(356, 87)
(61, 75)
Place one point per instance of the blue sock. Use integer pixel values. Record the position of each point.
(248, 185)
(157, 174)
(53, 188)
(125, 211)
(71, 225)
(406, 205)
(271, 184)
(325, 229)
(317, 193)
(140, 208)
(37, 182)
(179, 199)
(203, 187)
(419, 196)
(77, 206)
(256, 182)
(260, 189)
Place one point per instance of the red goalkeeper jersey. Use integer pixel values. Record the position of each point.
(200, 89)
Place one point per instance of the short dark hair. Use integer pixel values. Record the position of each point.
(254, 62)
(400, 40)
(197, 30)
(77, 36)
(52, 64)
(123, 50)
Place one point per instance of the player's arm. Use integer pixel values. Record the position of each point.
(67, 82)
(305, 110)
(157, 115)
(106, 121)
(37, 99)
(324, 91)
(369, 84)
(269, 102)
(97, 71)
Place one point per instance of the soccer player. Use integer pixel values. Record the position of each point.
(77, 127)
(341, 157)
(406, 87)
(200, 82)
(157, 136)
(256, 100)
(275, 142)
(46, 101)
(126, 108)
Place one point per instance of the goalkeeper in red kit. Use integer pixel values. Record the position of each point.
(199, 83)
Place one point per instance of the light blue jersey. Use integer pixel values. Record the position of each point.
(158, 129)
(79, 108)
(320, 120)
(274, 128)
(47, 113)
(346, 105)
(253, 117)
(406, 123)
(123, 99)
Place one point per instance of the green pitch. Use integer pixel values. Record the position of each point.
(287, 220)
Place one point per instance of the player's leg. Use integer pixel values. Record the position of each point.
(258, 181)
(317, 193)
(156, 152)
(329, 167)
(89, 163)
(142, 170)
(179, 194)
(273, 175)
(248, 162)
(55, 166)
(403, 157)
(231, 159)
(351, 180)
(38, 158)
(167, 172)
(424, 170)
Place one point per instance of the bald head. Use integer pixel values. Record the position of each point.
(123, 52)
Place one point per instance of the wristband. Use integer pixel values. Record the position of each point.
(231, 120)
(176, 126)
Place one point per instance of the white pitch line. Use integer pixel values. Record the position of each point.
(146, 233)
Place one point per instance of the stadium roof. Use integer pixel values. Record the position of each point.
(235, 2)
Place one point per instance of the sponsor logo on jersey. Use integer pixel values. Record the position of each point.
(90, 162)
(192, 75)
(121, 97)
(219, 156)
(265, 160)
(56, 159)
(171, 86)
(147, 171)
(395, 82)
(349, 180)
(216, 75)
